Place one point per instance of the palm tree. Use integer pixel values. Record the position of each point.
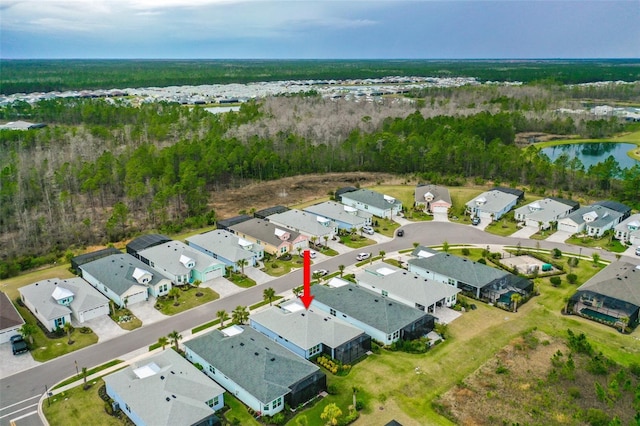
(175, 293)
(515, 299)
(297, 291)
(269, 294)
(445, 246)
(355, 391)
(242, 263)
(382, 253)
(84, 378)
(326, 240)
(299, 250)
(623, 323)
(240, 314)
(28, 330)
(68, 328)
(314, 240)
(341, 268)
(174, 336)
(222, 316)
(163, 341)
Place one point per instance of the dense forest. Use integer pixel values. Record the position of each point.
(25, 76)
(101, 171)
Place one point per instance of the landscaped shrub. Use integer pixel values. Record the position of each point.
(555, 281)
(572, 278)
(332, 389)
(482, 260)
(466, 252)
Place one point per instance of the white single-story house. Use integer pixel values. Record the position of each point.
(309, 333)
(10, 319)
(56, 301)
(432, 198)
(182, 264)
(125, 279)
(628, 231)
(258, 371)
(406, 287)
(228, 248)
(593, 220)
(372, 202)
(380, 317)
(491, 204)
(165, 390)
(346, 217)
(318, 229)
(541, 213)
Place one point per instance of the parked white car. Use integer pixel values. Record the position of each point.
(368, 230)
(320, 273)
(312, 254)
(363, 256)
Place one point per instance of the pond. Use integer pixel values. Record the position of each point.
(594, 153)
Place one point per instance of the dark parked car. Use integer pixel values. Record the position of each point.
(18, 345)
(475, 221)
(400, 233)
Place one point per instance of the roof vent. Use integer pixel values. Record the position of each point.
(266, 348)
(173, 396)
(390, 304)
(255, 353)
(161, 377)
(350, 289)
(273, 359)
(168, 399)
(375, 300)
(325, 319)
(241, 344)
(173, 372)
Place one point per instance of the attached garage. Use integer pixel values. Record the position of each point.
(212, 274)
(136, 297)
(90, 314)
(440, 209)
(532, 223)
(568, 226)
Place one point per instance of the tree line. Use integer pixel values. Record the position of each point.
(158, 166)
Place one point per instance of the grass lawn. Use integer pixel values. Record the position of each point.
(237, 411)
(278, 268)
(543, 235)
(356, 241)
(188, 299)
(605, 243)
(77, 407)
(44, 349)
(386, 227)
(240, 280)
(503, 227)
(90, 372)
(120, 318)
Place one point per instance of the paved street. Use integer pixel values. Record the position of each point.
(23, 389)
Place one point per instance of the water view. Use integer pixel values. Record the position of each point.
(594, 153)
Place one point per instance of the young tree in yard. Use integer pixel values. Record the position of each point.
(240, 314)
(297, 291)
(175, 293)
(445, 246)
(163, 341)
(326, 240)
(341, 269)
(269, 294)
(242, 263)
(515, 299)
(354, 389)
(222, 317)
(68, 328)
(84, 378)
(596, 259)
(331, 413)
(382, 253)
(28, 330)
(175, 337)
(623, 323)
(314, 240)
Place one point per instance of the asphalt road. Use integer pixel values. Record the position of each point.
(22, 389)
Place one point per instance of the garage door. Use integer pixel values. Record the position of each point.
(531, 223)
(568, 227)
(215, 273)
(137, 297)
(94, 313)
(440, 209)
(484, 215)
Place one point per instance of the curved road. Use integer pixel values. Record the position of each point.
(21, 388)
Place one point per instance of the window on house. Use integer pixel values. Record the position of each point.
(211, 403)
(212, 370)
(314, 350)
(385, 293)
(216, 400)
(276, 403)
(332, 312)
(451, 281)
(396, 335)
(126, 406)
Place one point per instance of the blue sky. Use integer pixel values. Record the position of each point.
(361, 29)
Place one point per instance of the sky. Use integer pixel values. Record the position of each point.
(324, 29)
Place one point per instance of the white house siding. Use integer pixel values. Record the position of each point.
(51, 324)
(90, 314)
(5, 335)
(232, 387)
(123, 406)
(135, 295)
(570, 226)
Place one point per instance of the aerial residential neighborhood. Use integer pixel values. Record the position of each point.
(278, 359)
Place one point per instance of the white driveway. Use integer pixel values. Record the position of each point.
(146, 312)
(559, 237)
(440, 217)
(223, 286)
(104, 327)
(524, 232)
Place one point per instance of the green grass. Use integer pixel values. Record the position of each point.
(328, 251)
(278, 268)
(604, 243)
(44, 349)
(241, 280)
(543, 235)
(237, 410)
(386, 227)
(11, 285)
(356, 241)
(132, 324)
(198, 329)
(89, 373)
(188, 299)
(78, 407)
(503, 227)
(264, 302)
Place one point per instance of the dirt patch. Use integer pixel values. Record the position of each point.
(291, 191)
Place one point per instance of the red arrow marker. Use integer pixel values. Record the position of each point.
(306, 273)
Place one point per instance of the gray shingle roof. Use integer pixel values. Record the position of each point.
(85, 297)
(605, 215)
(544, 210)
(368, 307)
(620, 280)
(406, 285)
(464, 270)
(306, 328)
(336, 211)
(301, 221)
(494, 201)
(223, 243)
(9, 316)
(116, 272)
(440, 193)
(167, 256)
(257, 364)
(263, 230)
(175, 376)
(372, 198)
